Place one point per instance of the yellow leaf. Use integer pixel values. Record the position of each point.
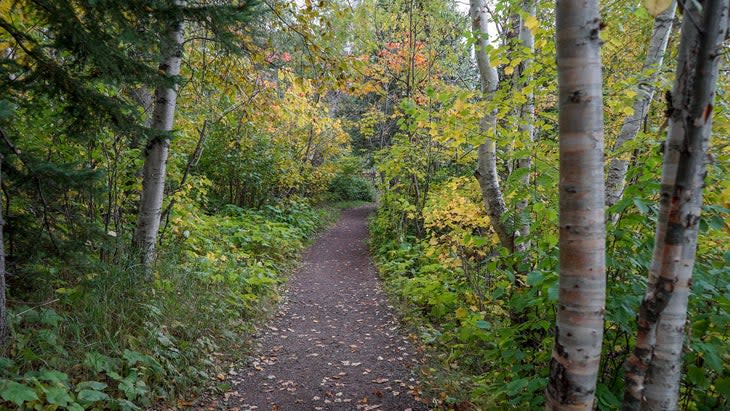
(531, 23)
(655, 7)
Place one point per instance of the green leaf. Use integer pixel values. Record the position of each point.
(484, 325)
(50, 317)
(58, 396)
(16, 393)
(134, 357)
(722, 386)
(517, 385)
(643, 208)
(553, 292)
(90, 396)
(53, 376)
(6, 364)
(696, 375)
(99, 362)
(92, 385)
(535, 278)
(709, 352)
(6, 109)
(126, 405)
(606, 397)
(75, 407)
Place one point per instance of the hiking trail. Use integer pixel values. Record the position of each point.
(335, 343)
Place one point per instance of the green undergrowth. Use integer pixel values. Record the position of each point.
(115, 337)
(487, 332)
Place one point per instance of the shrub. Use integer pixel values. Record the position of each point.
(113, 339)
(350, 188)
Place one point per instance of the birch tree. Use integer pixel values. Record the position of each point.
(486, 172)
(3, 307)
(579, 331)
(527, 115)
(156, 152)
(654, 368)
(618, 167)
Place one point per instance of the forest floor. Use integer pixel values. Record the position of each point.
(335, 343)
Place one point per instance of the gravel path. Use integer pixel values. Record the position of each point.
(335, 343)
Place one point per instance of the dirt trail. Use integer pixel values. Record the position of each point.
(335, 344)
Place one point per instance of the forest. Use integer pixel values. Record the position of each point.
(364, 205)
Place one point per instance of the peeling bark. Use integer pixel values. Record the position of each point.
(654, 368)
(619, 165)
(486, 172)
(156, 152)
(581, 302)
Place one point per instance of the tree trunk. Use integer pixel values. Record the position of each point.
(631, 125)
(486, 172)
(581, 302)
(156, 152)
(3, 309)
(526, 122)
(654, 368)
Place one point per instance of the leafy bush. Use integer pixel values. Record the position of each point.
(487, 316)
(350, 188)
(113, 339)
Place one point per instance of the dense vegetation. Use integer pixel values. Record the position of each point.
(90, 326)
(164, 162)
(488, 311)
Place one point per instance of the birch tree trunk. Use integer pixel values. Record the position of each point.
(527, 120)
(156, 152)
(3, 305)
(630, 128)
(653, 371)
(486, 172)
(581, 302)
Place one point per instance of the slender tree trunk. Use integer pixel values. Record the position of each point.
(654, 368)
(156, 152)
(486, 172)
(3, 307)
(526, 121)
(616, 178)
(581, 302)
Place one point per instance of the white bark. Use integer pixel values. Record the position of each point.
(618, 167)
(153, 177)
(3, 307)
(581, 302)
(526, 121)
(663, 311)
(486, 172)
